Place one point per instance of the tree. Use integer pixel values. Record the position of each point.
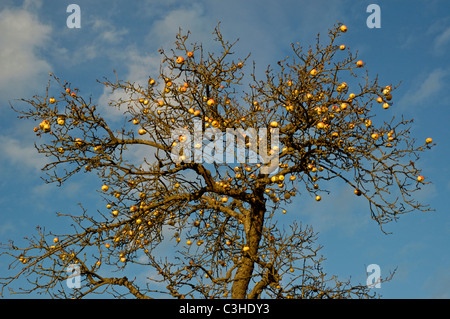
(215, 212)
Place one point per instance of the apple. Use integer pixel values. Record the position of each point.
(189, 242)
(211, 102)
(197, 112)
(160, 102)
(78, 142)
(246, 248)
(73, 94)
(180, 60)
(52, 100)
(190, 54)
(379, 99)
(429, 140)
(133, 208)
(343, 28)
(107, 245)
(105, 188)
(142, 131)
(420, 178)
(55, 240)
(357, 192)
(177, 185)
(292, 178)
(313, 72)
(368, 123)
(60, 121)
(375, 136)
(138, 221)
(385, 106)
(123, 259)
(342, 47)
(67, 90)
(318, 198)
(151, 82)
(359, 63)
(388, 97)
(320, 125)
(98, 263)
(344, 106)
(45, 126)
(228, 242)
(274, 124)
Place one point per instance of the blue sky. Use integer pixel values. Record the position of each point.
(411, 47)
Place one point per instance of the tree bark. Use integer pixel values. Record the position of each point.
(253, 228)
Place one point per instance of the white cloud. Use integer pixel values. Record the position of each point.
(20, 153)
(442, 39)
(425, 88)
(21, 67)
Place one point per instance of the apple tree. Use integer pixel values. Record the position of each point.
(200, 221)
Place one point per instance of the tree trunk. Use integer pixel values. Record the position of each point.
(253, 228)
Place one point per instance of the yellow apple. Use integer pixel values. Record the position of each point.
(357, 192)
(385, 106)
(429, 140)
(105, 188)
(135, 121)
(142, 131)
(359, 64)
(52, 100)
(107, 245)
(45, 126)
(420, 178)
(55, 240)
(190, 54)
(375, 136)
(343, 28)
(313, 72)
(342, 47)
(180, 60)
(133, 208)
(189, 242)
(318, 198)
(211, 102)
(246, 248)
(274, 124)
(78, 142)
